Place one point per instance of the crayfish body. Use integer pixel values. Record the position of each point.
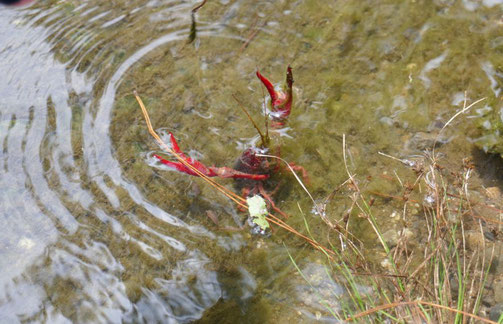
(252, 169)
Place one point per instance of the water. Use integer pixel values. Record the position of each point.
(92, 230)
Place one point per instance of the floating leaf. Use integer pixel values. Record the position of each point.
(258, 211)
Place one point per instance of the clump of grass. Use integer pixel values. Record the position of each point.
(440, 280)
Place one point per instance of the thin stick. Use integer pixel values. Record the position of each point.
(418, 302)
(196, 8)
(253, 34)
(465, 109)
(359, 193)
(319, 209)
(392, 157)
(264, 139)
(296, 177)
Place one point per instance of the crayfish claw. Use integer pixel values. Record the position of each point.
(193, 167)
(281, 101)
(269, 86)
(174, 144)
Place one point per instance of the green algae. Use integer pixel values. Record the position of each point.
(359, 70)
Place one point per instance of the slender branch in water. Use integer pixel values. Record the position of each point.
(193, 25)
(318, 209)
(465, 109)
(196, 8)
(254, 32)
(417, 302)
(265, 139)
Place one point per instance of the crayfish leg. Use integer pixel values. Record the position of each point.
(298, 168)
(268, 198)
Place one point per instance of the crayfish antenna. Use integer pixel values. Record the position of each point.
(264, 138)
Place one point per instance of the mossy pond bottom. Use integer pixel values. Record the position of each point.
(94, 229)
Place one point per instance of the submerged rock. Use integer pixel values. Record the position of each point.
(490, 128)
(426, 141)
(495, 312)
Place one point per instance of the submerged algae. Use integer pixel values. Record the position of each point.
(380, 74)
(364, 71)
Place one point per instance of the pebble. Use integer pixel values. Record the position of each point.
(493, 193)
(392, 236)
(474, 239)
(386, 264)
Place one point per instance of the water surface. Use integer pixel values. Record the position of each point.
(93, 230)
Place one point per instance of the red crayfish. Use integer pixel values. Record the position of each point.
(252, 170)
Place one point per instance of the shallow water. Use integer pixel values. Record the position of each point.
(93, 230)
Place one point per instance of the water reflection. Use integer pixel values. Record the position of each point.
(32, 211)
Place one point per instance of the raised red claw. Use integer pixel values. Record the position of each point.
(281, 102)
(269, 86)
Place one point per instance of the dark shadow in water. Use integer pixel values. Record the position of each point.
(193, 25)
(489, 167)
(240, 302)
(232, 311)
